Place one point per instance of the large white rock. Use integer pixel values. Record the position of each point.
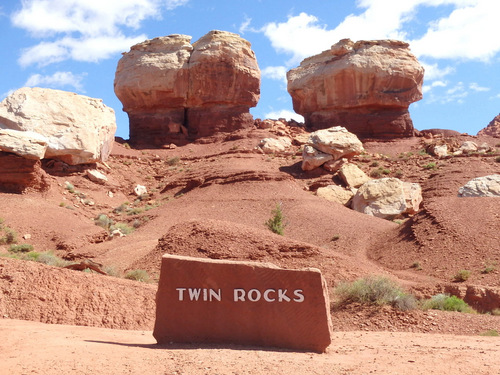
(352, 175)
(335, 193)
(312, 158)
(29, 145)
(336, 141)
(78, 129)
(487, 186)
(387, 198)
(275, 145)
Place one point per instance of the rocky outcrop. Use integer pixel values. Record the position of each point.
(29, 145)
(335, 193)
(19, 174)
(172, 89)
(77, 129)
(387, 198)
(329, 144)
(365, 86)
(487, 186)
(492, 129)
(352, 175)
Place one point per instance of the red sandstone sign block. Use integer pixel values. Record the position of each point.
(246, 303)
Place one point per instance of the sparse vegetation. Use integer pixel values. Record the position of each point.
(69, 187)
(47, 258)
(430, 166)
(417, 266)
(447, 303)
(462, 275)
(21, 248)
(489, 267)
(276, 223)
(375, 173)
(376, 290)
(122, 227)
(398, 173)
(138, 275)
(9, 237)
(490, 332)
(103, 221)
(173, 161)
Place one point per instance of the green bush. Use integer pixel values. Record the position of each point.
(377, 290)
(21, 248)
(462, 275)
(490, 332)
(430, 166)
(103, 221)
(138, 275)
(10, 236)
(276, 224)
(447, 303)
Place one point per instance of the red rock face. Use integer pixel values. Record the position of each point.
(365, 86)
(18, 174)
(172, 89)
(493, 128)
(214, 301)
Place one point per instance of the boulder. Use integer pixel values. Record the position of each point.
(492, 129)
(366, 86)
(27, 144)
(487, 186)
(78, 129)
(440, 151)
(312, 158)
(352, 175)
(95, 176)
(387, 198)
(275, 145)
(335, 193)
(336, 141)
(172, 89)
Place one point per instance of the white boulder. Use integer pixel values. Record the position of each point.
(29, 145)
(487, 186)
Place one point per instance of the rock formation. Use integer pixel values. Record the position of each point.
(76, 128)
(487, 186)
(493, 128)
(365, 86)
(172, 89)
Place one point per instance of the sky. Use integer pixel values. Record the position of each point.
(75, 45)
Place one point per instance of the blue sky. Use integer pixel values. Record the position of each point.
(75, 45)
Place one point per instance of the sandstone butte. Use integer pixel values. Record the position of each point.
(173, 90)
(365, 86)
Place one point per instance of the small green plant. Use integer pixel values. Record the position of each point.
(10, 236)
(423, 152)
(490, 332)
(489, 267)
(417, 266)
(375, 173)
(62, 204)
(385, 171)
(276, 223)
(126, 145)
(21, 248)
(122, 227)
(462, 275)
(447, 303)
(138, 275)
(374, 164)
(69, 187)
(376, 290)
(398, 173)
(173, 161)
(103, 221)
(430, 166)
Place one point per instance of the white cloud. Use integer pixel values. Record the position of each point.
(469, 31)
(87, 30)
(275, 72)
(428, 88)
(57, 80)
(284, 113)
(475, 87)
(433, 71)
(245, 26)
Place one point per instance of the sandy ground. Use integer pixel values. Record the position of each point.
(66, 349)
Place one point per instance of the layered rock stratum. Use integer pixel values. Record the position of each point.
(365, 86)
(172, 89)
(492, 129)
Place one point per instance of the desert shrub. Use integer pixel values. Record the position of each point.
(430, 166)
(122, 227)
(399, 173)
(377, 290)
(21, 248)
(374, 164)
(490, 332)
(462, 275)
(416, 265)
(489, 268)
(103, 221)
(495, 312)
(276, 223)
(375, 173)
(10, 236)
(138, 275)
(69, 186)
(446, 303)
(173, 161)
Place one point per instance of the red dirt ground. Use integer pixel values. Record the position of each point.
(212, 199)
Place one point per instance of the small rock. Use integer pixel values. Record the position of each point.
(95, 176)
(140, 190)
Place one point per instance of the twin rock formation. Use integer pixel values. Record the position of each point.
(173, 90)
